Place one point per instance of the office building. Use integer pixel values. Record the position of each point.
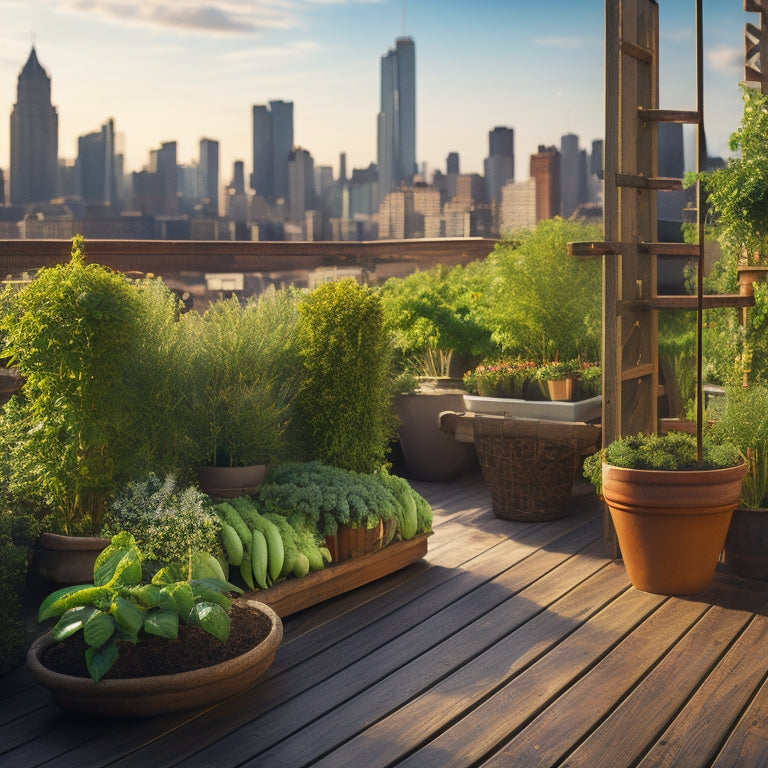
(34, 137)
(208, 175)
(95, 167)
(500, 163)
(396, 128)
(301, 184)
(272, 144)
(545, 169)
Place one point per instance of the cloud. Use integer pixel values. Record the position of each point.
(555, 41)
(726, 58)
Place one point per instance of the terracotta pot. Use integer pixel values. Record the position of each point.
(671, 526)
(146, 696)
(560, 389)
(228, 482)
(68, 559)
(746, 545)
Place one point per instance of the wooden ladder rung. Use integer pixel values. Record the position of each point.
(669, 115)
(648, 182)
(671, 249)
(711, 301)
(636, 51)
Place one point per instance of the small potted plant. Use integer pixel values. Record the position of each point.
(671, 508)
(558, 376)
(128, 662)
(501, 378)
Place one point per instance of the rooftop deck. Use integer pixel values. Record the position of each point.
(510, 644)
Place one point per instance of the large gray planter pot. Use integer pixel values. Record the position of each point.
(429, 454)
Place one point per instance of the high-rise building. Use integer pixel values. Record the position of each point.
(396, 124)
(272, 144)
(500, 163)
(166, 179)
(301, 184)
(208, 175)
(34, 137)
(545, 170)
(573, 175)
(96, 176)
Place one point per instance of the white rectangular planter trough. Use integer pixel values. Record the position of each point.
(551, 410)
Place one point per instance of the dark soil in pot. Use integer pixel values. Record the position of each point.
(194, 648)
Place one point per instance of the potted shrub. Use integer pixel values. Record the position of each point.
(501, 378)
(239, 376)
(671, 509)
(129, 660)
(744, 422)
(558, 376)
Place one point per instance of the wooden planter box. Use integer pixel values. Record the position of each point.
(294, 595)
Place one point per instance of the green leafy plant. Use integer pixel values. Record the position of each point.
(590, 375)
(500, 378)
(120, 606)
(342, 413)
(673, 451)
(741, 418)
(86, 421)
(558, 369)
(242, 373)
(173, 525)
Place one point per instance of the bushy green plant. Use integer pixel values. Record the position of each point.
(342, 413)
(741, 418)
(242, 373)
(673, 451)
(174, 525)
(429, 316)
(558, 369)
(86, 420)
(539, 302)
(500, 378)
(119, 605)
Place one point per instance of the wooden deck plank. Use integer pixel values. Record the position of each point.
(748, 743)
(634, 726)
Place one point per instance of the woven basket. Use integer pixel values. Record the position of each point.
(529, 464)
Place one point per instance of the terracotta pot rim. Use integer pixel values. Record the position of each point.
(656, 475)
(63, 542)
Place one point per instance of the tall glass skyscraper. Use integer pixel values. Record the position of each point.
(396, 141)
(34, 137)
(272, 144)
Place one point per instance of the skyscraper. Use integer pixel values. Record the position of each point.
(96, 177)
(500, 163)
(34, 137)
(396, 140)
(208, 174)
(272, 144)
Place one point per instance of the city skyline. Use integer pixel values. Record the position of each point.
(168, 74)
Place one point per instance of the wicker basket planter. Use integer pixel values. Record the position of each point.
(529, 464)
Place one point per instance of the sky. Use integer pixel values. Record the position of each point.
(182, 70)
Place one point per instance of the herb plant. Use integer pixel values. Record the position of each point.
(119, 605)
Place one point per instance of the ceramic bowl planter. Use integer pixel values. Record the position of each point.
(671, 525)
(148, 696)
(228, 482)
(68, 559)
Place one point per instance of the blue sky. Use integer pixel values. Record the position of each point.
(186, 69)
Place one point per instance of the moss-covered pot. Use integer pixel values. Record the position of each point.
(671, 526)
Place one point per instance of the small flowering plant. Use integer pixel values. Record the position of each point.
(504, 378)
(591, 377)
(558, 369)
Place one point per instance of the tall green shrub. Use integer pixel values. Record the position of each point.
(539, 302)
(342, 413)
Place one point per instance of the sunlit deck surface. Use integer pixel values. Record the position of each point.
(510, 644)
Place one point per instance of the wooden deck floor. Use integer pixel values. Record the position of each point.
(510, 644)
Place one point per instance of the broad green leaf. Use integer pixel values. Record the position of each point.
(204, 592)
(98, 629)
(148, 594)
(218, 584)
(162, 623)
(72, 621)
(127, 615)
(100, 660)
(212, 618)
(183, 599)
(88, 595)
(43, 612)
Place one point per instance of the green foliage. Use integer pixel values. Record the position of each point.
(742, 419)
(673, 451)
(119, 605)
(538, 302)
(321, 497)
(18, 533)
(558, 369)
(87, 419)
(430, 318)
(242, 369)
(500, 378)
(738, 193)
(169, 523)
(342, 413)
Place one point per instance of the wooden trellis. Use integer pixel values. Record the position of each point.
(630, 302)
